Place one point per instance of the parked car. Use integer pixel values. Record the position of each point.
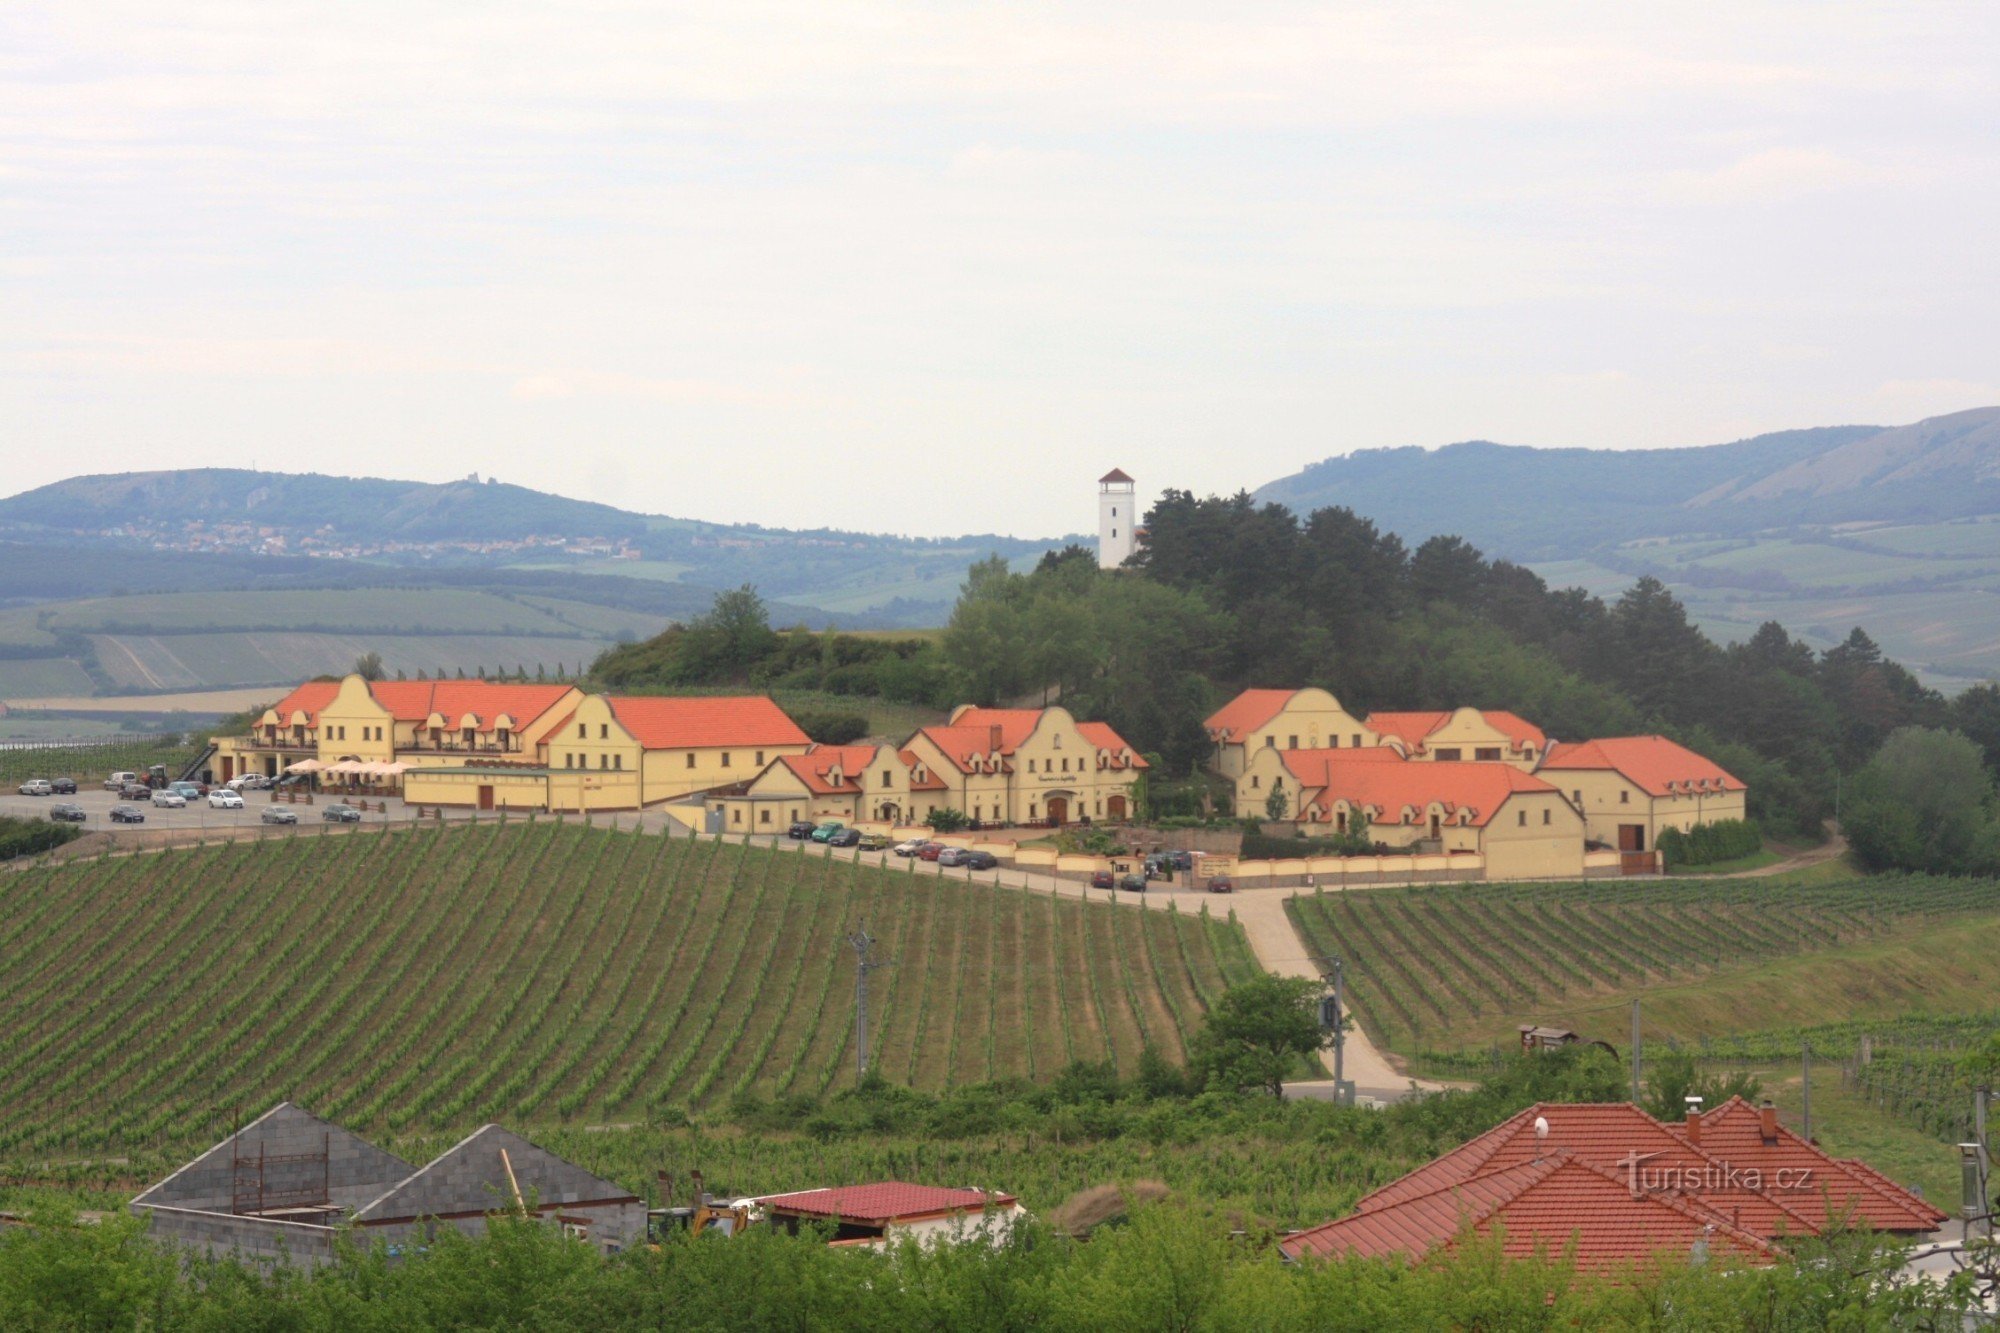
(65, 813)
(37, 787)
(910, 848)
(1221, 884)
(63, 786)
(1132, 883)
(135, 791)
(188, 791)
(825, 832)
(801, 829)
(930, 851)
(224, 799)
(977, 860)
(119, 781)
(874, 842)
(1181, 860)
(168, 799)
(340, 813)
(127, 814)
(1103, 879)
(845, 837)
(248, 782)
(278, 814)
(952, 856)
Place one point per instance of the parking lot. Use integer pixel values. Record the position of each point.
(198, 815)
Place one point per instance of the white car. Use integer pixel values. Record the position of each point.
(248, 782)
(224, 799)
(36, 787)
(169, 800)
(910, 848)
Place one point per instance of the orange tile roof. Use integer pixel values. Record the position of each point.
(1375, 777)
(813, 766)
(308, 698)
(1246, 712)
(1103, 737)
(416, 700)
(1549, 1201)
(679, 722)
(1413, 727)
(883, 1202)
(929, 781)
(1733, 1132)
(1016, 724)
(1653, 763)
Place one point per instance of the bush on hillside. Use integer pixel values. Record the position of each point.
(1708, 844)
(831, 728)
(27, 837)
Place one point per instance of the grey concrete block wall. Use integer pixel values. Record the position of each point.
(356, 1172)
(471, 1178)
(257, 1239)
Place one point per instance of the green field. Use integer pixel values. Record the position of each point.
(89, 764)
(169, 662)
(1438, 969)
(541, 973)
(42, 678)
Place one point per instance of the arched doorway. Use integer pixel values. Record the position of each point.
(1114, 807)
(1058, 811)
(888, 812)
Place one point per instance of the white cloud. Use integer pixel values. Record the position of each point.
(1776, 173)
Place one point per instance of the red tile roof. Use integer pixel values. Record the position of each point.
(984, 732)
(1115, 474)
(662, 722)
(813, 766)
(1373, 777)
(416, 700)
(1104, 738)
(1653, 763)
(308, 698)
(1413, 728)
(1733, 1132)
(1728, 1178)
(884, 1202)
(1547, 1202)
(1246, 712)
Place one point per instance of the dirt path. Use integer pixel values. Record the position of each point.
(1832, 849)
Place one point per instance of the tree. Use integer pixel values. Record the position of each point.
(948, 820)
(1673, 1077)
(368, 666)
(1257, 1033)
(1278, 804)
(1922, 803)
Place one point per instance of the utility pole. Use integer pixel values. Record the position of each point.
(863, 965)
(1635, 1051)
(1805, 1086)
(1336, 1018)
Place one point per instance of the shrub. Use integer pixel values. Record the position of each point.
(831, 728)
(26, 837)
(1708, 844)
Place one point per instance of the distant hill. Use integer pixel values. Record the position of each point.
(1896, 529)
(356, 507)
(1529, 503)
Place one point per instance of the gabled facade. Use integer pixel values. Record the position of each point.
(1632, 788)
(1463, 735)
(849, 783)
(1308, 719)
(1522, 827)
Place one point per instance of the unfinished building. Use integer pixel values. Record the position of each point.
(288, 1185)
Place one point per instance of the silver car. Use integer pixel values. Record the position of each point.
(169, 800)
(277, 814)
(37, 787)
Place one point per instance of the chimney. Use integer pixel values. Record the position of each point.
(995, 730)
(1694, 1120)
(1767, 1121)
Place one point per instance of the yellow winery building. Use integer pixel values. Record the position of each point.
(1632, 788)
(492, 745)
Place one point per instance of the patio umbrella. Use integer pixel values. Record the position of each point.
(346, 768)
(305, 766)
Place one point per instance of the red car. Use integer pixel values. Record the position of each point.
(929, 851)
(1103, 879)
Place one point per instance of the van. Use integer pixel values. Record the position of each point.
(118, 780)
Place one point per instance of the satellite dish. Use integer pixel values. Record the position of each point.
(1541, 1129)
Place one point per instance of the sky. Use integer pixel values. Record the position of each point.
(934, 268)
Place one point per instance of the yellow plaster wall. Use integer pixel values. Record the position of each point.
(1313, 718)
(1533, 850)
(1468, 731)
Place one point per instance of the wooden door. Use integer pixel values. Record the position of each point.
(486, 798)
(1631, 837)
(1058, 811)
(1114, 807)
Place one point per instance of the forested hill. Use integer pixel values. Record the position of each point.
(1539, 504)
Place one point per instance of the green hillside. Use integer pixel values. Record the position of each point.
(542, 973)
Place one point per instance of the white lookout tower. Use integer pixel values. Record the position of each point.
(1117, 519)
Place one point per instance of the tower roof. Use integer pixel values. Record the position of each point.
(1115, 474)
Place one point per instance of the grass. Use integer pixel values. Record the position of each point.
(538, 973)
(1754, 861)
(195, 661)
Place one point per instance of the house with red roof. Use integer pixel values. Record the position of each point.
(1308, 719)
(1632, 788)
(892, 1210)
(848, 783)
(510, 745)
(1521, 826)
(1622, 1188)
(1025, 766)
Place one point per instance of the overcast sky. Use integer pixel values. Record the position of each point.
(933, 268)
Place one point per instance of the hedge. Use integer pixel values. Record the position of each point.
(1707, 844)
(26, 837)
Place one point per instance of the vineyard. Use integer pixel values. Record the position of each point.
(1439, 967)
(91, 762)
(415, 981)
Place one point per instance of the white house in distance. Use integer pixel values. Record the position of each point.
(1117, 519)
